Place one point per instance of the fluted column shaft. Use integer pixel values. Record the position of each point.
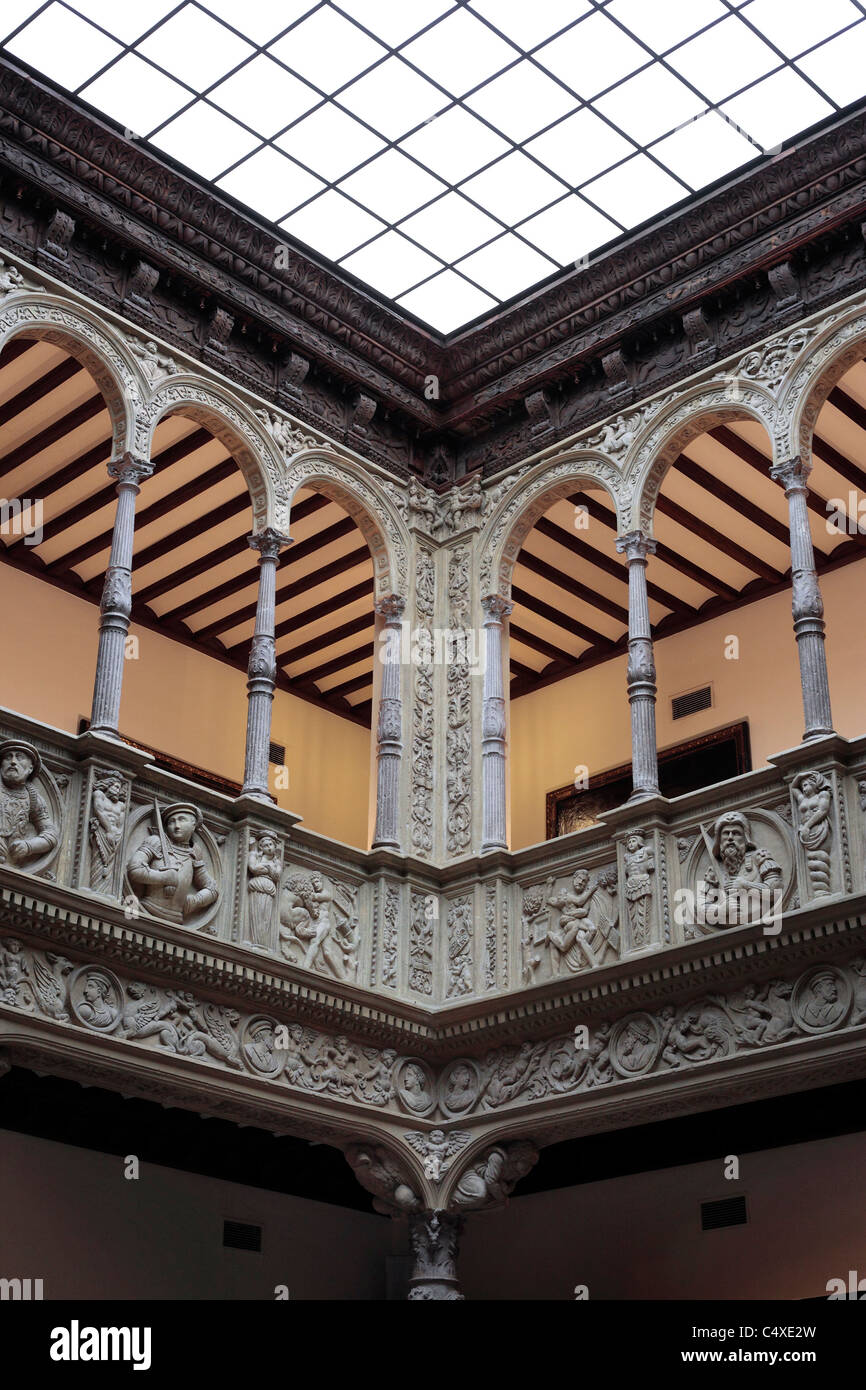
(262, 667)
(389, 742)
(636, 546)
(493, 726)
(116, 603)
(806, 602)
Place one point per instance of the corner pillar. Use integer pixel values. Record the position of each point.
(262, 667)
(493, 726)
(636, 546)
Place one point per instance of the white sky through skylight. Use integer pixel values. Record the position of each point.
(451, 154)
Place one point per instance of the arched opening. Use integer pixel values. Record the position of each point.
(195, 584)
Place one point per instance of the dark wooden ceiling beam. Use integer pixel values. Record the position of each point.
(349, 687)
(519, 671)
(298, 620)
(598, 512)
(290, 655)
(564, 581)
(249, 579)
(337, 663)
(17, 348)
(560, 619)
(840, 462)
(689, 522)
(855, 412)
(586, 552)
(37, 390)
(72, 420)
(538, 644)
(733, 499)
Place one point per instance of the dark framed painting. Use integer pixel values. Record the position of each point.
(698, 762)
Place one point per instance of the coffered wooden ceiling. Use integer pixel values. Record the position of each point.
(721, 527)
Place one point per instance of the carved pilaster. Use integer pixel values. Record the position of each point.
(636, 546)
(389, 741)
(261, 668)
(496, 609)
(806, 602)
(116, 603)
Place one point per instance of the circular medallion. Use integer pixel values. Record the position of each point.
(634, 1045)
(259, 1046)
(459, 1086)
(821, 1000)
(415, 1086)
(96, 998)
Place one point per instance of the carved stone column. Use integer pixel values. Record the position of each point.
(262, 667)
(493, 726)
(389, 742)
(636, 546)
(806, 602)
(434, 1238)
(116, 603)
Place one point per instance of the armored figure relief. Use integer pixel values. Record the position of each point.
(743, 881)
(587, 931)
(107, 816)
(813, 795)
(168, 868)
(26, 827)
(264, 866)
(488, 1181)
(639, 868)
(459, 948)
(319, 922)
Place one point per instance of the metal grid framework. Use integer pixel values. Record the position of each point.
(451, 154)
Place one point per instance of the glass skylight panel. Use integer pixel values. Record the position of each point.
(395, 21)
(327, 49)
(126, 20)
(513, 188)
(569, 230)
(778, 107)
(663, 23)
(506, 266)
(454, 144)
(136, 94)
(263, 95)
(14, 12)
(460, 52)
(64, 47)
(580, 147)
(392, 186)
(195, 48)
(651, 103)
(705, 149)
(270, 183)
(635, 191)
(204, 140)
(592, 56)
(838, 66)
(332, 225)
(330, 141)
(451, 227)
(393, 99)
(522, 101)
(391, 264)
(795, 25)
(724, 59)
(529, 22)
(447, 301)
(258, 20)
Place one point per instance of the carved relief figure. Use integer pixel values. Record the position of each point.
(742, 881)
(820, 1003)
(107, 815)
(587, 931)
(96, 999)
(459, 948)
(380, 1173)
(264, 866)
(168, 868)
(491, 1177)
(319, 919)
(149, 1014)
(813, 794)
(639, 868)
(534, 920)
(26, 827)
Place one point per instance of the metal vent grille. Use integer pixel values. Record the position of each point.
(239, 1235)
(728, 1211)
(277, 754)
(694, 700)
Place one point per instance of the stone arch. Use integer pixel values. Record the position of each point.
(365, 501)
(236, 427)
(514, 516)
(51, 319)
(687, 416)
(823, 359)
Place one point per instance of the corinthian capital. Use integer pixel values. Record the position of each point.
(496, 607)
(130, 469)
(635, 545)
(269, 542)
(793, 474)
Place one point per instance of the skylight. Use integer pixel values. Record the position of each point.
(451, 154)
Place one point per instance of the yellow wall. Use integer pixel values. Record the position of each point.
(181, 702)
(585, 719)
